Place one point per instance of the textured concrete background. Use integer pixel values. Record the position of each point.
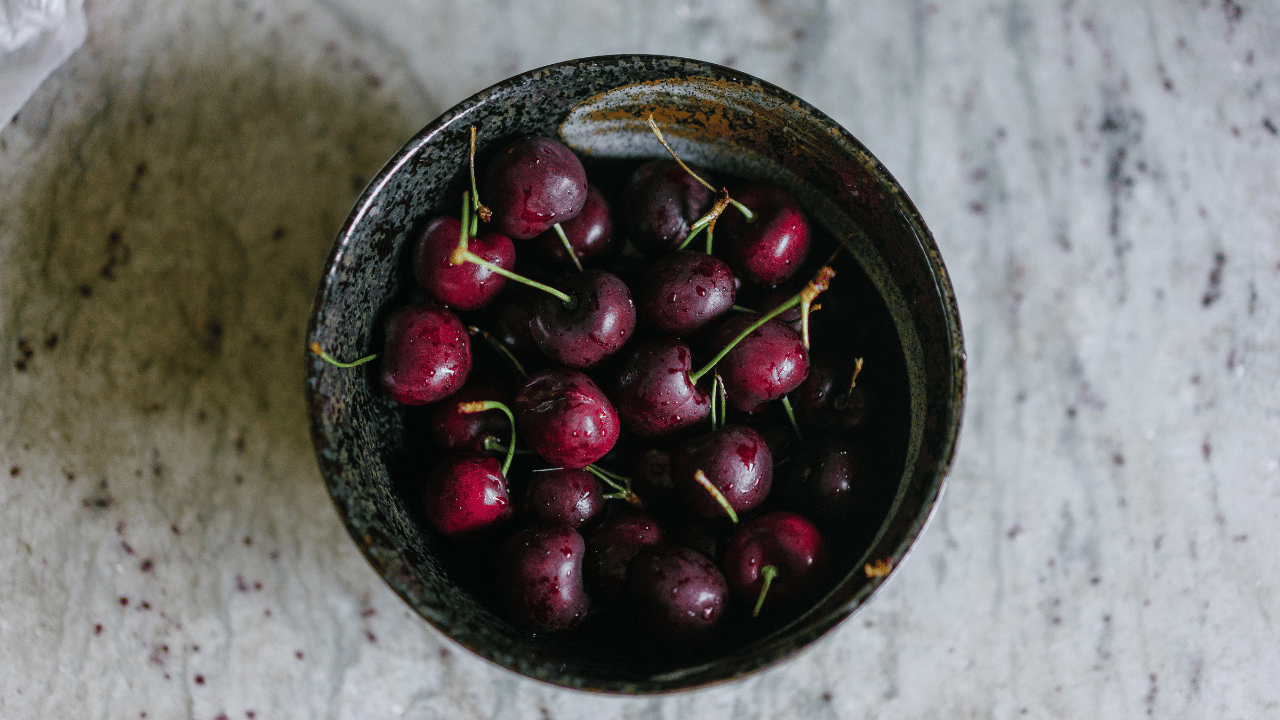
(1102, 181)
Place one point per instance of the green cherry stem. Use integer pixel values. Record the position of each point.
(482, 212)
(843, 399)
(496, 344)
(564, 240)
(769, 572)
(621, 485)
(791, 415)
(705, 482)
(482, 406)
(461, 254)
(804, 299)
(315, 348)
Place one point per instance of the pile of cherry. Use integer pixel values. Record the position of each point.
(627, 475)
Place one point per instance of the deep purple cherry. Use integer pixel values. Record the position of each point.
(565, 417)
(541, 577)
(589, 234)
(660, 204)
(684, 291)
(465, 493)
(677, 592)
(600, 321)
(465, 286)
(769, 363)
(827, 481)
(456, 431)
(775, 559)
(612, 545)
(773, 246)
(569, 497)
(735, 460)
(532, 184)
(427, 355)
(831, 396)
(655, 395)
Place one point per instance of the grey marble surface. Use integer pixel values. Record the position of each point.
(1102, 179)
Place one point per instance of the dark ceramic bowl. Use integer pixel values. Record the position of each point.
(891, 302)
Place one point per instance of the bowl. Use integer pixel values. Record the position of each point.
(897, 301)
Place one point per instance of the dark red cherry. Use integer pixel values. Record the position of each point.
(601, 320)
(541, 577)
(677, 593)
(684, 291)
(465, 493)
(568, 497)
(661, 202)
(735, 459)
(788, 543)
(827, 481)
(565, 417)
(612, 545)
(769, 363)
(590, 234)
(427, 355)
(456, 431)
(534, 183)
(825, 399)
(508, 321)
(771, 248)
(465, 286)
(655, 396)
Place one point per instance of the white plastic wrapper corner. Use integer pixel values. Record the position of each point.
(36, 36)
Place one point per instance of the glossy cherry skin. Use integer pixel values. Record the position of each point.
(788, 542)
(568, 497)
(654, 394)
(736, 460)
(456, 431)
(465, 493)
(565, 418)
(771, 248)
(532, 184)
(612, 545)
(769, 363)
(684, 291)
(660, 202)
(677, 593)
(590, 234)
(600, 322)
(427, 355)
(465, 286)
(541, 577)
(826, 481)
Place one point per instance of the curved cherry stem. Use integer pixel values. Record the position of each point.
(621, 485)
(482, 212)
(461, 254)
(484, 405)
(804, 299)
(496, 344)
(568, 247)
(769, 572)
(706, 483)
(843, 399)
(315, 348)
(791, 415)
(746, 212)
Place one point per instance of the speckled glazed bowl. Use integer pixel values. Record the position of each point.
(736, 125)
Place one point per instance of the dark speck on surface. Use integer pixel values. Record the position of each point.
(1270, 126)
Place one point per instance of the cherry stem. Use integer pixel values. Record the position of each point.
(484, 405)
(746, 213)
(843, 399)
(564, 239)
(492, 444)
(714, 388)
(707, 221)
(804, 298)
(622, 491)
(768, 572)
(702, 479)
(740, 308)
(315, 348)
(482, 212)
(461, 254)
(464, 234)
(503, 349)
(791, 415)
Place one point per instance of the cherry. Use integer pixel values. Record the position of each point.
(735, 460)
(474, 433)
(779, 556)
(508, 321)
(599, 319)
(826, 481)
(565, 417)
(464, 494)
(612, 545)
(660, 204)
(831, 396)
(655, 394)
(568, 497)
(427, 355)
(534, 183)
(677, 592)
(589, 234)
(541, 577)
(772, 247)
(465, 286)
(768, 363)
(684, 291)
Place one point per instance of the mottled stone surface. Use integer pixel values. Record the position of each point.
(1102, 179)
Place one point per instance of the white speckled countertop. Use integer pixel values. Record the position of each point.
(1102, 179)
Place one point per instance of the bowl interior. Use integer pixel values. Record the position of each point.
(896, 297)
